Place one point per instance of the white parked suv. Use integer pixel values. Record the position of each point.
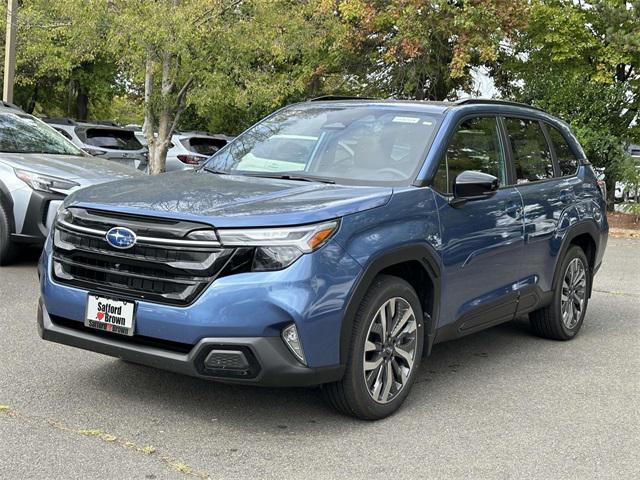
(189, 149)
(38, 169)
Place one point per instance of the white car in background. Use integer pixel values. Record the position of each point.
(189, 149)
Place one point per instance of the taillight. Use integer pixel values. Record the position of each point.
(189, 159)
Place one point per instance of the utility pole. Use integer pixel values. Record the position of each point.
(10, 51)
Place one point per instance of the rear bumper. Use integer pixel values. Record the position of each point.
(274, 365)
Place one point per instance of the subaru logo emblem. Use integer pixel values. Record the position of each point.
(121, 237)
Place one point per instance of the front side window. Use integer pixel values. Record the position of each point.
(567, 161)
(476, 145)
(366, 144)
(22, 133)
(531, 155)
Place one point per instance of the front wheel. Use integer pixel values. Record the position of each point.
(385, 351)
(562, 319)
(7, 249)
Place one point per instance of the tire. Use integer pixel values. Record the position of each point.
(7, 247)
(549, 322)
(352, 395)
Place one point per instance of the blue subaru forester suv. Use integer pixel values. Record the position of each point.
(333, 243)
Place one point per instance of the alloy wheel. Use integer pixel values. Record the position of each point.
(574, 291)
(390, 349)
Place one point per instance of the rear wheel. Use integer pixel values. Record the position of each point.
(385, 351)
(562, 319)
(7, 248)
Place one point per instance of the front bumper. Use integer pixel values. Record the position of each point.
(38, 217)
(275, 364)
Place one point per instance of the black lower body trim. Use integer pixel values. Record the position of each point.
(276, 365)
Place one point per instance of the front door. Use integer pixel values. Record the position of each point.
(482, 241)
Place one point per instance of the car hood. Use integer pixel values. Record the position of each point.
(230, 200)
(83, 170)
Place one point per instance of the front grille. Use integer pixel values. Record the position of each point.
(164, 266)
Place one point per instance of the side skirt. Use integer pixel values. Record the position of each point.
(509, 307)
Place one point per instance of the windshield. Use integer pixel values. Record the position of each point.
(22, 133)
(354, 145)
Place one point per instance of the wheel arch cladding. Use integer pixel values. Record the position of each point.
(417, 265)
(7, 203)
(584, 235)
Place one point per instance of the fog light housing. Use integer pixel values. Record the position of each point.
(292, 340)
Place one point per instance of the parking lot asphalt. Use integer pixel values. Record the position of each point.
(498, 404)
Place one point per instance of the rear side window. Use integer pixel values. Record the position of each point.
(62, 132)
(531, 155)
(112, 139)
(476, 145)
(205, 146)
(566, 158)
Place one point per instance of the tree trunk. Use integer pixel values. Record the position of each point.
(610, 182)
(82, 106)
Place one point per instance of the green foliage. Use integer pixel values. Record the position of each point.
(62, 66)
(242, 59)
(422, 49)
(581, 63)
(630, 176)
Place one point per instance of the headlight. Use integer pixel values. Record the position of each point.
(277, 248)
(44, 183)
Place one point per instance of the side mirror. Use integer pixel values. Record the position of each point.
(471, 185)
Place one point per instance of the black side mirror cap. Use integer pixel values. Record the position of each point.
(472, 185)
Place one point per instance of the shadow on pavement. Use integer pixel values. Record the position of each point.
(251, 409)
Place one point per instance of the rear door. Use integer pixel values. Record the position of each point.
(547, 191)
(482, 241)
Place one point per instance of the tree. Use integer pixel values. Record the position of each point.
(580, 61)
(62, 65)
(160, 44)
(422, 49)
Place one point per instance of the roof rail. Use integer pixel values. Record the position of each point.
(493, 101)
(337, 98)
(59, 121)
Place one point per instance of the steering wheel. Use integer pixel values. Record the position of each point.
(393, 171)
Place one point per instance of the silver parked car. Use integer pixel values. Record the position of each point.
(38, 169)
(189, 149)
(106, 141)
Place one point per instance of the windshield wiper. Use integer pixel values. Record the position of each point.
(214, 170)
(287, 176)
(283, 176)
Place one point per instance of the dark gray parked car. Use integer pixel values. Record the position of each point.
(106, 141)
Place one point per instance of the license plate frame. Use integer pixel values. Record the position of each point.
(110, 315)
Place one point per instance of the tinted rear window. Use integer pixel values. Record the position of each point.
(531, 155)
(112, 139)
(566, 158)
(204, 146)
